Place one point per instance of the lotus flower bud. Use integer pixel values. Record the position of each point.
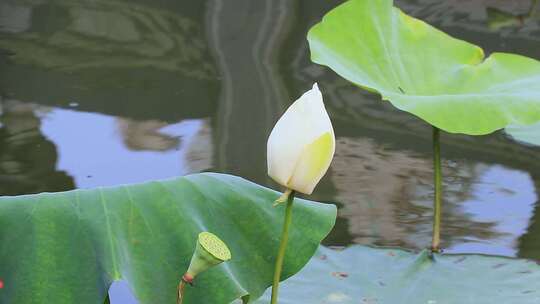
(302, 144)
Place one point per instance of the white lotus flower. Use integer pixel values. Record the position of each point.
(302, 144)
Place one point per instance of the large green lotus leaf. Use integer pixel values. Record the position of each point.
(361, 274)
(68, 247)
(527, 134)
(421, 70)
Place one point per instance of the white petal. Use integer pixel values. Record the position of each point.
(314, 162)
(304, 122)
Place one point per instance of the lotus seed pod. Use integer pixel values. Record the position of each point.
(209, 251)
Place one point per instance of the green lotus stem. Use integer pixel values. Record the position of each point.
(180, 297)
(435, 242)
(283, 198)
(107, 300)
(282, 247)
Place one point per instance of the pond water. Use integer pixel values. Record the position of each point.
(100, 93)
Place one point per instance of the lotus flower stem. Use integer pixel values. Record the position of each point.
(107, 299)
(438, 191)
(282, 247)
(181, 287)
(180, 297)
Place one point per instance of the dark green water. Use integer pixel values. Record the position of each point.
(106, 92)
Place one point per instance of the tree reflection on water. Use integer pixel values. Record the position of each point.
(27, 158)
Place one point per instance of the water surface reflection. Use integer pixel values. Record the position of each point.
(100, 150)
(27, 157)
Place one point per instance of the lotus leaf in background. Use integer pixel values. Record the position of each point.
(419, 69)
(526, 134)
(68, 247)
(443, 80)
(361, 274)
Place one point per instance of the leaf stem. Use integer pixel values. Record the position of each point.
(282, 247)
(435, 243)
